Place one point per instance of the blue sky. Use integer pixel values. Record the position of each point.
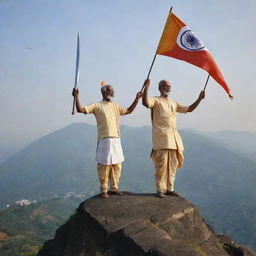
(118, 42)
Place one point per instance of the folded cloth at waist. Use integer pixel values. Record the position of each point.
(109, 151)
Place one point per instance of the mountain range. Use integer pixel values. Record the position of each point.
(216, 176)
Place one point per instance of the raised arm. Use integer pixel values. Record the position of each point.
(196, 103)
(134, 104)
(79, 108)
(145, 93)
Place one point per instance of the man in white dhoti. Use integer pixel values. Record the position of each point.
(109, 154)
(167, 152)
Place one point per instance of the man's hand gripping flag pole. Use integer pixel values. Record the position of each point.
(77, 70)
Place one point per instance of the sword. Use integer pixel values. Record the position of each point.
(77, 69)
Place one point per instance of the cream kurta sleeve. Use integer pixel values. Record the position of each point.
(122, 111)
(180, 108)
(90, 108)
(151, 102)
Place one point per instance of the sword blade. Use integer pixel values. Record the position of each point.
(77, 60)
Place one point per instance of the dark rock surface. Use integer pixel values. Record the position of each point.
(143, 224)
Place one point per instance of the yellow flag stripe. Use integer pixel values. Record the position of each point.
(170, 33)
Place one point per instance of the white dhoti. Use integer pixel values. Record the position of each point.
(109, 151)
(109, 157)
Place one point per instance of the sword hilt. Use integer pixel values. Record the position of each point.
(73, 109)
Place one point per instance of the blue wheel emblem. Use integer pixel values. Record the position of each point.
(190, 41)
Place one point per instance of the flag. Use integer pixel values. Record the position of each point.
(180, 42)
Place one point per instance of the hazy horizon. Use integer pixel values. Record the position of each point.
(9, 150)
(118, 42)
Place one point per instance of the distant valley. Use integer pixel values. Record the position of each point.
(217, 177)
(23, 229)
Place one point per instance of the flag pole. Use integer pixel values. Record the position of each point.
(77, 70)
(149, 70)
(154, 56)
(206, 82)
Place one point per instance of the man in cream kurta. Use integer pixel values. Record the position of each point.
(167, 152)
(109, 154)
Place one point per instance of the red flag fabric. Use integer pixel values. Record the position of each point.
(180, 42)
